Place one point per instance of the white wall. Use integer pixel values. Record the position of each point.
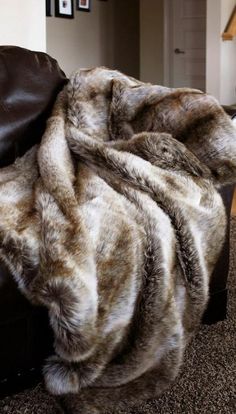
(23, 23)
(221, 55)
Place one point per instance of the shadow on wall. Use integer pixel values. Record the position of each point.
(120, 35)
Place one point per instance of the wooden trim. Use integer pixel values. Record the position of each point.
(233, 210)
(230, 30)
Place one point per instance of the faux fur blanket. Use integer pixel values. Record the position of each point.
(114, 223)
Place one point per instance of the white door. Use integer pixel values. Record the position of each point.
(187, 52)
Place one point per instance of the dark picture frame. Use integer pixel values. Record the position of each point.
(83, 5)
(48, 8)
(64, 8)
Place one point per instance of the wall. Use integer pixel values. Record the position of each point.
(221, 55)
(125, 29)
(108, 35)
(22, 23)
(228, 58)
(152, 41)
(213, 47)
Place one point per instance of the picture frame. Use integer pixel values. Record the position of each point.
(48, 8)
(84, 5)
(64, 8)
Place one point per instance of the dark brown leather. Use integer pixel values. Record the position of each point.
(230, 110)
(29, 83)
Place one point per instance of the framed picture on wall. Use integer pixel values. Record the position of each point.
(48, 8)
(64, 8)
(83, 5)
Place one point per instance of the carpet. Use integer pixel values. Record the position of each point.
(206, 384)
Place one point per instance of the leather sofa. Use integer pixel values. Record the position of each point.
(29, 83)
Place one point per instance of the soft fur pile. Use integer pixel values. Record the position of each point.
(114, 224)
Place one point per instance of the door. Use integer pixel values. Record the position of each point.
(187, 52)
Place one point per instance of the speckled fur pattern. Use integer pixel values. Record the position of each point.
(114, 223)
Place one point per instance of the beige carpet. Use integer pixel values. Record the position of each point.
(206, 385)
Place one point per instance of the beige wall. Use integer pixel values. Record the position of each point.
(221, 55)
(213, 48)
(125, 29)
(22, 23)
(108, 35)
(228, 58)
(152, 41)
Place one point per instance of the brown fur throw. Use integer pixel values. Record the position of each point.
(114, 224)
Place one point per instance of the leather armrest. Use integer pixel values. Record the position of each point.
(29, 83)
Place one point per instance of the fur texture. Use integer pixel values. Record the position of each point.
(114, 224)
